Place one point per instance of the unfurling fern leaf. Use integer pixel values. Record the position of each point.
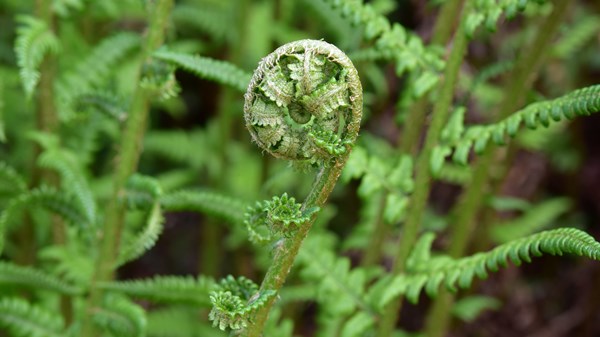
(430, 273)
(166, 289)
(30, 277)
(142, 191)
(47, 198)
(211, 69)
(211, 203)
(145, 240)
(22, 319)
(34, 40)
(121, 317)
(580, 102)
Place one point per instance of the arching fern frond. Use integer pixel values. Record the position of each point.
(580, 102)
(33, 278)
(34, 40)
(47, 198)
(145, 240)
(121, 317)
(208, 202)
(142, 191)
(93, 70)
(22, 319)
(215, 70)
(11, 182)
(430, 273)
(166, 289)
(213, 18)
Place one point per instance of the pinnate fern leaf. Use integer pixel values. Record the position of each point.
(22, 319)
(44, 197)
(33, 278)
(11, 182)
(121, 317)
(34, 40)
(581, 102)
(144, 240)
(430, 273)
(166, 289)
(207, 68)
(224, 207)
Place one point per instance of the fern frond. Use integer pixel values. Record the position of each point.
(166, 289)
(72, 262)
(430, 273)
(209, 18)
(121, 317)
(142, 191)
(144, 240)
(23, 319)
(180, 322)
(33, 278)
(93, 70)
(47, 198)
(104, 102)
(488, 12)
(34, 40)
(233, 312)
(212, 203)
(576, 36)
(176, 146)
(11, 182)
(393, 42)
(73, 179)
(580, 102)
(215, 70)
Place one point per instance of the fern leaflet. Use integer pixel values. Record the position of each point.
(167, 289)
(34, 40)
(211, 69)
(212, 203)
(121, 317)
(146, 239)
(33, 278)
(23, 319)
(430, 273)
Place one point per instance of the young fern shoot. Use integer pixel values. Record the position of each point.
(304, 103)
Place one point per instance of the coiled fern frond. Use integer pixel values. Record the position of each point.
(429, 273)
(34, 40)
(166, 289)
(580, 102)
(33, 278)
(235, 302)
(146, 239)
(23, 319)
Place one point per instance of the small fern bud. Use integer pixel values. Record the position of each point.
(304, 102)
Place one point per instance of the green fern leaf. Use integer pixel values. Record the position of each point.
(93, 70)
(213, 18)
(211, 69)
(121, 317)
(104, 102)
(581, 102)
(11, 182)
(144, 240)
(575, 37)
(218, 205)
(33, 278)
(166, 289)
(47, 198)
(180, 322)
(452, 272)
(34, 40)
(142, 191)
(23, 319)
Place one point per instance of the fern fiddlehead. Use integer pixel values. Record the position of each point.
(304, 103)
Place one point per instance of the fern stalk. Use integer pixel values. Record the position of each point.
(423, 177)
(411, 135)
(129, 152)
(470, 202)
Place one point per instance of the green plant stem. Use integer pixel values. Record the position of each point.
(423, 177)
(470, 202)
(409, 141)
(286, 250)
(129, 152)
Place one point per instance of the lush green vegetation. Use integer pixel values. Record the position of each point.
(195, 168)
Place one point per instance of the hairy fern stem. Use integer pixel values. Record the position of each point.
(423, 176)
(470, 203)
(127, 158)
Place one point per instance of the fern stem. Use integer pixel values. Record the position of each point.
(423, 177)
(470, 202)
(409, 141)
(128, 157)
